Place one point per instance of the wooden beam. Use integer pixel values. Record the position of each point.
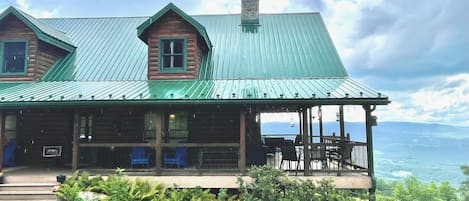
(76, 139)
(200, 145)
(242, 142)
(2, 138)
(321, 134)
(369, 148)
(159, 135)
(342, 122)
(310, 122)
(369, 139)
(117, 145)
(306, 155)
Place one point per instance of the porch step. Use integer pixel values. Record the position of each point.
(27, 191)
(25, 179)
(27, 187)
(27, 195)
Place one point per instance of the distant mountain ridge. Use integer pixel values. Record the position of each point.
(427, 151)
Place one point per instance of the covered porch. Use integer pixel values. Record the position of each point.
(181, 140)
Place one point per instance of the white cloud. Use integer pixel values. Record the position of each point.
(444, 102)
(37, 13)
(341, 18)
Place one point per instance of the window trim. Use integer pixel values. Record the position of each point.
(26, 56)
(161, 69)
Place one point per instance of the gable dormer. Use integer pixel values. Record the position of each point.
(28, 47)
(176, 44)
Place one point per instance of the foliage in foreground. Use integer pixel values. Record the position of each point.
(267, 184)
(270, 184)
(118, 187)
(465, 184)
(412, 190)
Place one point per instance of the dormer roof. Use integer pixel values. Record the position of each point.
(143, 28)
(43, 31)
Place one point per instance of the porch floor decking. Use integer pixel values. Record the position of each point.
(228, 180)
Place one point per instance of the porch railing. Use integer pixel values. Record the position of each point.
(334, 155)
(175, 157)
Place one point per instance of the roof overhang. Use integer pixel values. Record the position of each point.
(43, 31)
(320, 91)
(142, 29)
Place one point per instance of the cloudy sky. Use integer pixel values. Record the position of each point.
(416, 52)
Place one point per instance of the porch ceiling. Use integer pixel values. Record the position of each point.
(324, 91)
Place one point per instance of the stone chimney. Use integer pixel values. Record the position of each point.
(249, 12)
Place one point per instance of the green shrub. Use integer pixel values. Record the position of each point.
(412, 190)
(464, 188)
(270, 184)
(68, 192)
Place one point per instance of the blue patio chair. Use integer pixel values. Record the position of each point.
(9, 154)
(178, 158)
(139, 157)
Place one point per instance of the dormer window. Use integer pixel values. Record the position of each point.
(14, 54)
(172, 55)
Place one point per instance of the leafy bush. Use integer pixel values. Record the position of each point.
(270, 184)
(465, 184)
(413, 190)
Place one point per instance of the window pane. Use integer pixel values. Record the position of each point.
(14, 57)
(167, 46)
(10, 123)
(178, 62)
(166, 61)
(150, 126)
(177, 126)
(178, 44)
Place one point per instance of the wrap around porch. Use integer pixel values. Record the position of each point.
(210, 140)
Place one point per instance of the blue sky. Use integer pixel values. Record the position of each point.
(416, 52)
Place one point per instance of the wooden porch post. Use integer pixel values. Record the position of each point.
(76, 139)
(305, 142)
(158, 149)
(310, 121)
(1, 141)
(242, 142)
(341, 121)
(369, 148)
(321, 134)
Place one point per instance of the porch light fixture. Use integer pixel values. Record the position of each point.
(338, 116)
(172, 116)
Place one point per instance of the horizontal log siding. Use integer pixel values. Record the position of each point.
(47, 56)
(38, 128)
(13, 29)
(118, 125)
(171, 25)
(214, 127)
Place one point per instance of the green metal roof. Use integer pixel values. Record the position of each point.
(306, 91)
(42, 30)
(290, 58)
(6, 85)
(285, 46)
(141, 29)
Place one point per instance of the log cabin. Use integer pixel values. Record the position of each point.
(176, 94)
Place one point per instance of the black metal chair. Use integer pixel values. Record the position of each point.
(273, 142)
(289, 154)
(318, 154)
(344, 155)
